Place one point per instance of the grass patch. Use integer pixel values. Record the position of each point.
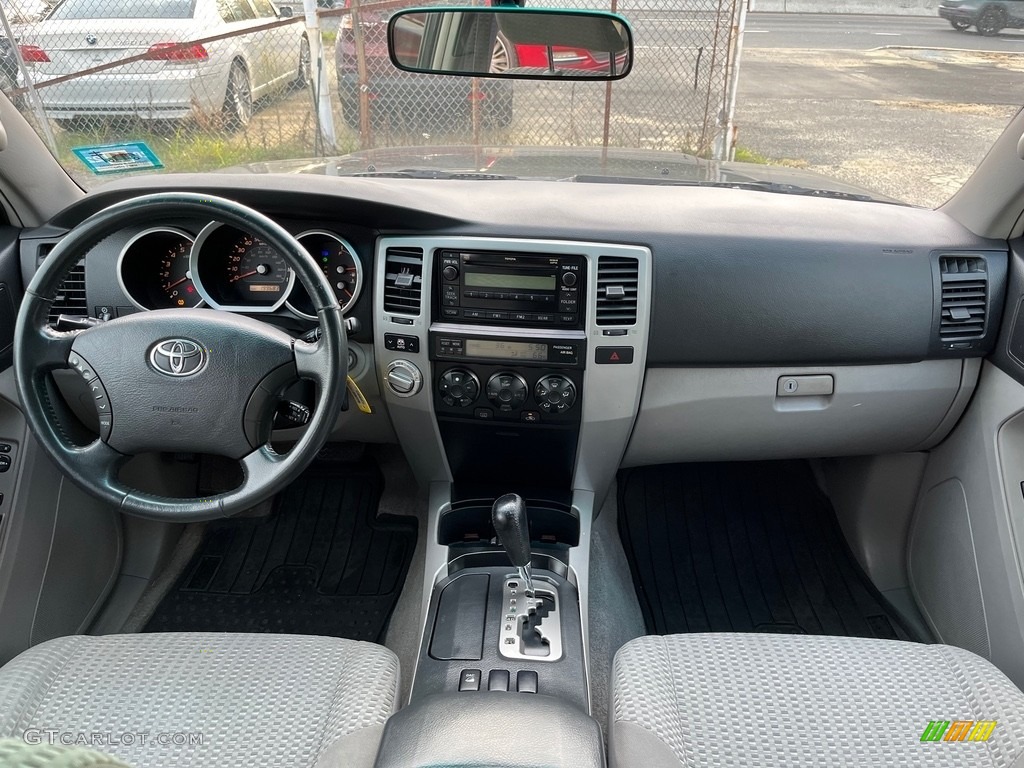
(747, 155)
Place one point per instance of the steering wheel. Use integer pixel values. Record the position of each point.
(180, 380)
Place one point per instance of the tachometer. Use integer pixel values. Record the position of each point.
(153, 270)
(237, 271)
(176, 276)
(341, 266)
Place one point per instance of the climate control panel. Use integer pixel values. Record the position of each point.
(526, 395)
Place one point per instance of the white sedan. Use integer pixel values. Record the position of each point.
(180, 76)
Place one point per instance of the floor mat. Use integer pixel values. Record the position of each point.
(323, 563)
(744, 547)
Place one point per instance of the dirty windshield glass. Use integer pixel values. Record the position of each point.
(896, 102)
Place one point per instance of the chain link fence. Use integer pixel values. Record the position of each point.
(208, 84)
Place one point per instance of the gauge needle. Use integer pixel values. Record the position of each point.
(250, 273)
(176, 282)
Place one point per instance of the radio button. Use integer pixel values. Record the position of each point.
(567, 318)
(496, 315)
(543, 318)
(520, 317)
(450, 312)
(569, 279)
(473, 314)
(450, 272)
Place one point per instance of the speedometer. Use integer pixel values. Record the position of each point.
(235, 270)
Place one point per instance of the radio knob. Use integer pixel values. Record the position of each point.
(403, 378)
(555, 394)
(507, 390)
(458, 388)
(450, 272)
(569, 279)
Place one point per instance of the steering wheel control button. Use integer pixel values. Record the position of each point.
(458, 388)
(555, 394)
(507, 390)
(177, 357)
(498, 680)
(526, 681)
(398, 343)
(469, 680)
(613, 355)
(81, 365)
(403, 378)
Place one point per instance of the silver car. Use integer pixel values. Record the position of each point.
(206, 79)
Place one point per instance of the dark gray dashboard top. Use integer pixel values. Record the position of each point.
(740, 277)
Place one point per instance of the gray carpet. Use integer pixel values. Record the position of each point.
(615, 616)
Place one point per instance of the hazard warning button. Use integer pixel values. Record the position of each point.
(613, 355)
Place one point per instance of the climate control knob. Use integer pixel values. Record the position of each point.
(507, 390)
(555, 394)
(458, 387)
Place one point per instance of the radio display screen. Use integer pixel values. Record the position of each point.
(508, 350)
(509, 280)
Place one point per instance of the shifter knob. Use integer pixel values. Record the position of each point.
(509, 517)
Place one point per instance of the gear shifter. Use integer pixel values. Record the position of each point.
(509, 517)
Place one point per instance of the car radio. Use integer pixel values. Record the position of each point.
(497, 288)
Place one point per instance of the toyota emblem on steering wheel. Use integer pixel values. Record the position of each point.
(177, 357)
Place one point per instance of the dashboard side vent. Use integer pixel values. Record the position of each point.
(618, 279)
(403, 280)
(964, 297)
(70, 299)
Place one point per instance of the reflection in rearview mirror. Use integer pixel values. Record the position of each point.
(545, 44)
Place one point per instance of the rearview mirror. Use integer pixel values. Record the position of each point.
(535, 44)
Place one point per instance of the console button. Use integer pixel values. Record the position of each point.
(401, 343)
(5, 463)
(458, 388)
(569, 279)
(450, 272)
(507, 390)
(555, 394)
(520, 317)
(469, 680)
(450, 312)
(613, 355)
(497, 315)
(5, 447)
(544, 318)
(526, 681)
(484, 414)
(498, 680)
(530, 417)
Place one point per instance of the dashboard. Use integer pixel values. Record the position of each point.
(521, 324)
(225, 268)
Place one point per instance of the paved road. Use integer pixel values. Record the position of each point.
(832, 32)
(911, 121)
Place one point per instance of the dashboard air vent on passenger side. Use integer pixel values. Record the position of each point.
(617, 285)
(70, 299)
(403, 280)
(964, 297)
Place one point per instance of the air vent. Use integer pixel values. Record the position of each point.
(403, 280)
(70, 298)
(964, 297)
(617, 285)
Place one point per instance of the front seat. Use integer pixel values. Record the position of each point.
(204, 699)
(791, 700)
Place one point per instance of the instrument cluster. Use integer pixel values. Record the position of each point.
(226, 268)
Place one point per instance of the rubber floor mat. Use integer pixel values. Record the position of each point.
(744, 547)
(323, 563)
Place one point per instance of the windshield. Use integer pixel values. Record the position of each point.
(891, 107)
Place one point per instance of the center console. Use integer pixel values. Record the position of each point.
(512, 371)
